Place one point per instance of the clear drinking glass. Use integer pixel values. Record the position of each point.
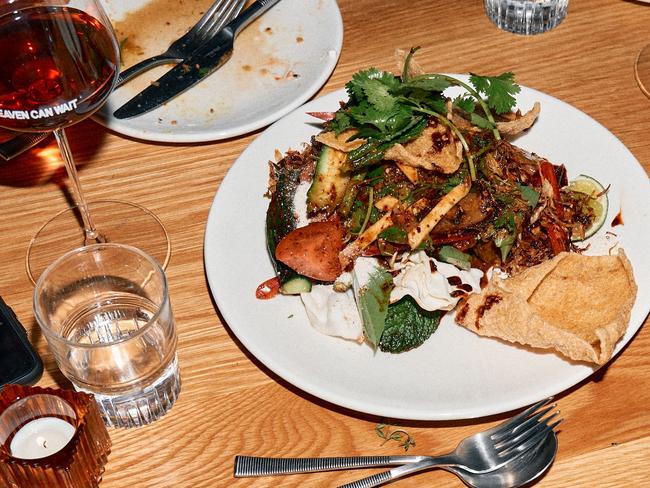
(105, 312)
(526, 16)
(59, 61)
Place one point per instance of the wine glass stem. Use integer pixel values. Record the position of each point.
(90, 232)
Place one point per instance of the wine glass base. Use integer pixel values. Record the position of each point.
(642, 70)
(115, 220)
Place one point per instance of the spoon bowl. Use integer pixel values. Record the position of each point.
(518, 472)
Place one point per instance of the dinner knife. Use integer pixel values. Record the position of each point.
(201, 63)
(20, 143)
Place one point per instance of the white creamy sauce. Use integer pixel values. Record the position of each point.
(425, 279)
(333, 313)
(336, 313)
(428, 282)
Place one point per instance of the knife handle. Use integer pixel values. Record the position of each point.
(246, 466)
(250, 14)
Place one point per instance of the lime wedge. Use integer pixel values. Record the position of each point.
(598, 202)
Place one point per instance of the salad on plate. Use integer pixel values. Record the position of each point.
(411, 200)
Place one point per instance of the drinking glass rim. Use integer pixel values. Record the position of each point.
(91, 247)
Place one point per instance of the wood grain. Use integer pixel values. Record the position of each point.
(230, 404)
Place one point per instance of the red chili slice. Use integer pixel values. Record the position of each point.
(326, 116)
(268, 289)
(547, 173)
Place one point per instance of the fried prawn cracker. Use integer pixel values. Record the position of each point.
(575, 304)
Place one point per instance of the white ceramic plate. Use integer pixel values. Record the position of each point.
(455, 374)
(278, 63)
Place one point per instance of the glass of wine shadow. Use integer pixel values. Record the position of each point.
(59, 61)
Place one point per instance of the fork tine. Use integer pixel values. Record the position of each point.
(208, 15)
(504, 428)
(229, 12)
(538, 437)
(216, 14)
(521, 436)
(524, 425)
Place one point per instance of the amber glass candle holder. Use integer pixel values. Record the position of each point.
(50, 438)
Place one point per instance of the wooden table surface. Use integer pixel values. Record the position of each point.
(231, 404)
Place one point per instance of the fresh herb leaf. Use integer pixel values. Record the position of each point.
(394, 234)
(465, 103)
(452, 182)
(504, 240)
(341, 122)
(480, 121)
(387, 110)
(377, 172)
(505, 221)
(372, 299)
(499, 90)
(529, 194)
(451, 255)
(373, 151)
(407, 326)
(404, 438)
(506, 236)
(430, 83)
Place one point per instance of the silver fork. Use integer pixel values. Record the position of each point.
(479, 453)
(218, 15)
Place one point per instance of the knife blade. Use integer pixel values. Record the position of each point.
(20, 143)
(201, 63)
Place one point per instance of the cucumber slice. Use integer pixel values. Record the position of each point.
(296, 285)
(599, 202)
(331, 178)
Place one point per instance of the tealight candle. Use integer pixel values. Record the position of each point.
(51, 438)
(41, 437)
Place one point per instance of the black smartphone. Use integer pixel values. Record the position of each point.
(19, 362)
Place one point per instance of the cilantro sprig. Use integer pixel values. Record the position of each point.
(386, 109)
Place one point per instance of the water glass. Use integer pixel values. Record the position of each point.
(104, 310)
(526, 16)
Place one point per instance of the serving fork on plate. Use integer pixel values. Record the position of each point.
(219, 14)
(480, 453)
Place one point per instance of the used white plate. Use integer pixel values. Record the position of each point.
(455, 374)
(278, 63)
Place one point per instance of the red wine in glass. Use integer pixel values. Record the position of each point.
(59, 61)
(57, 67)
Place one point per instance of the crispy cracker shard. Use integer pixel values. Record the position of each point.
(435, 149)
(575, 304)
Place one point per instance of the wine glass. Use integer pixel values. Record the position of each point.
(59, 61)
